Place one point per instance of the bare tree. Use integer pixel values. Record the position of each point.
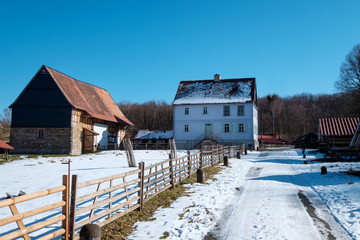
(349, 79)
(5, 121)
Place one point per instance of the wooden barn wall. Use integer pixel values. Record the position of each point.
(80, 120)
(42, 104)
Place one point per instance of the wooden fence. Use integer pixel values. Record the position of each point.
(53, 219)
(106, 199)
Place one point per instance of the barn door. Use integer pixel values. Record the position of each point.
(88, 141)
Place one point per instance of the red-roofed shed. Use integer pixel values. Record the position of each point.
(6, 148)
(336, 133)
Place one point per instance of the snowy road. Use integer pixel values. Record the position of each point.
(273, 206)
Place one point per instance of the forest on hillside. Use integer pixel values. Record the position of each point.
(292, 116)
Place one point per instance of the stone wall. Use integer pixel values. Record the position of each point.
(27, 141)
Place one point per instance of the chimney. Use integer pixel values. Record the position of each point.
(217, 77)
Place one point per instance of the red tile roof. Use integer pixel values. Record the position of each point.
(271, 139)
(5, 146)
(338, 126)
(94, 100)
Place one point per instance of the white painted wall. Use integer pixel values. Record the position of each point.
(197, 121)
(102, 138)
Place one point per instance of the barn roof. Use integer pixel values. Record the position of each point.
(338, 126)
(5, 146)
(239, 90)
(96, 101)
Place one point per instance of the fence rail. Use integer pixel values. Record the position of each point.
(109, 198)
(17, 217)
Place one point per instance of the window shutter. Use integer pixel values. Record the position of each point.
(231, 127)
(245, 127)
(223, 128)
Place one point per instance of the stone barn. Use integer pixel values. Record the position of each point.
(56, 114)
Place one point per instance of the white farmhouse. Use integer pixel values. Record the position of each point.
(221, 110)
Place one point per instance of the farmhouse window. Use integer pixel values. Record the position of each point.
(41, 133)
(186, 128)
(205, 111)
(241, 110)
(226, 127)
(241, 127)
(186, 111)
(226, 110)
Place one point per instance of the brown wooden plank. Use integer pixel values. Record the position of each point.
(105, 202)
(19, 223)
(30, 196)
(105, 179)
(31, 213)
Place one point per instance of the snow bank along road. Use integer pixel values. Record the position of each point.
(273, 206)
(260, 197)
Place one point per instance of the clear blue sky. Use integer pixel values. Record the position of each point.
(140, 50)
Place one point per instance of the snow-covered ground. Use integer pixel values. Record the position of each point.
(35, 174)
(264, 195)
(267, 195)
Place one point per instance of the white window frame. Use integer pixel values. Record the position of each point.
(187, 111)
(186, 128)
(205, 110)
(226, 127)
(241, 112)
(241, 126)
(226, 111)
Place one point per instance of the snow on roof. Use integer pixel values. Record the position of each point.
(142, 133)
(209, 91)
(158, 135)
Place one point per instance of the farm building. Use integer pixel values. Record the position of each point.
(58, 114)
(5, 148)
(222, 111)
(309, 140)
(336, 133)
(272, 140)
(355, 141)
(153, 140)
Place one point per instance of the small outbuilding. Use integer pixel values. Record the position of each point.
(154, 140)
(335, 134)
(309, 140)
(272, 140)
(5, 147)
(56, 114)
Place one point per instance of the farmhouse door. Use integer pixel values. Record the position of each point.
(208, 130)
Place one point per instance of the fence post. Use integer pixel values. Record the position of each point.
(189, 163)
(226, 161)
(212, 156)
(201, 159)
(171, 172)
(65, 209)
(141, 185)
(73, 206)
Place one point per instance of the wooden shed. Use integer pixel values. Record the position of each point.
(6, 147)
(57, 114)
(335, 134)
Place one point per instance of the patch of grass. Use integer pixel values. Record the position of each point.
(165, 235)
(123, 227)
